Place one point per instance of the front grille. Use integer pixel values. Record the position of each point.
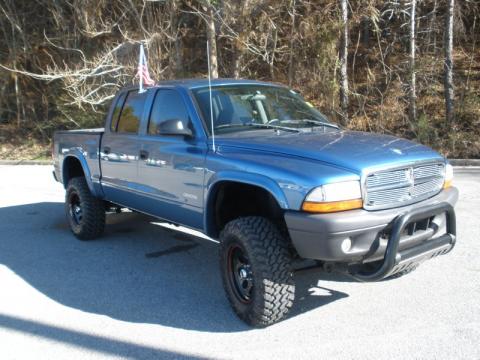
(402, 186)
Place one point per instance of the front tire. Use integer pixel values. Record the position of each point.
(256, 270)
(85, 213)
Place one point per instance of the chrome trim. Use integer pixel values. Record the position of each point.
(406, 166)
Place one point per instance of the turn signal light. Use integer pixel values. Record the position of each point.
(447, 183)
(448, 176)
(334, 206)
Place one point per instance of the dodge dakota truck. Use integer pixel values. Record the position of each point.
(256, 167)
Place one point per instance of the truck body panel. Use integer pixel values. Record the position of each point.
(83, 145)
(177, 178)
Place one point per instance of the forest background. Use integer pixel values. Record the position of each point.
(407, 68)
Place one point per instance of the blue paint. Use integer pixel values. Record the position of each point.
(179, 175)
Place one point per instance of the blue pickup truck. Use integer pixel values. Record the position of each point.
(256, 167)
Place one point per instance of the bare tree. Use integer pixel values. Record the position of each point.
(239, 42)
(293, 14)
(9, 12)
(448, 65)
(433, 27)
(176, 61)
(60, 58)
(412, 94)
(212, 39)
(343, 55)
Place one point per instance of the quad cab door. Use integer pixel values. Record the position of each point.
(171, 166)
(120, 149)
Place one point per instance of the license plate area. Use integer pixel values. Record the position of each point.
(419, 225)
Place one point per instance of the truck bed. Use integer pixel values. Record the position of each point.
(83, 144)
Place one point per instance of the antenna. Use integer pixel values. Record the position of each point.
(210, 93)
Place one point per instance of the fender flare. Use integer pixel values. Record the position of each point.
(241, 177)
(76, 154)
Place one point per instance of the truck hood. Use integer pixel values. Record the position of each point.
(351, 150)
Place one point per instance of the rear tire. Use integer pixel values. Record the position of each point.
(256, 270)
(85, 213)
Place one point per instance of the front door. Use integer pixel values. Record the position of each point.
(171, 168)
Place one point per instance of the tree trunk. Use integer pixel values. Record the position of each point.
(271, 63)
(237, 62)
(239, 46)
(17, 99)
(412, 96)
(212, 39)
(292, 44)
(448, 65)
(239, 43)
(343, 54)
(176, 61)
(365, 31)
(433, 28)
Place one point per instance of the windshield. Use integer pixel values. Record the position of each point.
(253, 107)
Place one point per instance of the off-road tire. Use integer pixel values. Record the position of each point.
(273, 289)
(92, 222)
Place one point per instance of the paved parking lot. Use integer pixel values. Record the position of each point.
(144, 291)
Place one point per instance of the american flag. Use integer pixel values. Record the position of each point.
(143, 73)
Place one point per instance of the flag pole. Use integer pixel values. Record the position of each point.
(210, 93)
(140, 59)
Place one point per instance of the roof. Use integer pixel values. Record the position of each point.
(197, 83)
(194, 83)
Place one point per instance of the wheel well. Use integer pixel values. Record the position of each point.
(71, 168)
(231, 200)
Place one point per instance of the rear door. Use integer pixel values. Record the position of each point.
(120, 149)
(171, 167)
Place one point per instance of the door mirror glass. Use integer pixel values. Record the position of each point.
(174, 127)
(169, 115)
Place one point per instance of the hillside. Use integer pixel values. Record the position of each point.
(62, 62)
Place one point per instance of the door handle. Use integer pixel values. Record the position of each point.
(106, 150)
(143, 155)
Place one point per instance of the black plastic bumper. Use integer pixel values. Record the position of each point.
(395, 260)
(322, 236)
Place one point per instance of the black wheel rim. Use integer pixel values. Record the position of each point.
(240, 274)
(75, 209)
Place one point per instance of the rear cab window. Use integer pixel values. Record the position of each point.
(127, 114)
(116, 111)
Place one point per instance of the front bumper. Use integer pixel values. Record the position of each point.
(360, 236)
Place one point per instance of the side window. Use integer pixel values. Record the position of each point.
(167, 105)
(132, 111)
(116, 112)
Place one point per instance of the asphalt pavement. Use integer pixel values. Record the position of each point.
(145, 291)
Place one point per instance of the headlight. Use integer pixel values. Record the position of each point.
(334, 197)
(448, 176)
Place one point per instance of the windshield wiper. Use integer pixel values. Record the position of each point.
(270, 126)
(252, 124)
(311, 121)
(323, 123)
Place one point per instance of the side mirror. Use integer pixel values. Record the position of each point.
(174, 127)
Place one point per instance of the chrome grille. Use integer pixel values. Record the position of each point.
(403, 186)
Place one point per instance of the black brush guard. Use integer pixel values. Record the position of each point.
(395, 261)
